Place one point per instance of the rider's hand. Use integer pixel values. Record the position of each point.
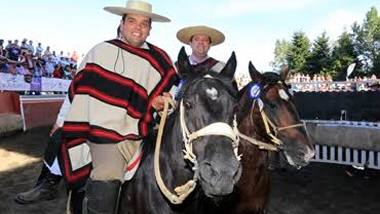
(158, 102)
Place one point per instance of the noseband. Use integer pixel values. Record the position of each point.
(218, 128)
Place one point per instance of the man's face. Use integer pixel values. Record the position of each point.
(135, 29)
(200, 44)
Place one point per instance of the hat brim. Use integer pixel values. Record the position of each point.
(122, 10)
(184, 35)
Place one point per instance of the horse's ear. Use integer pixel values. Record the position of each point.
(285, 72)
(230, 67)
(183, 64)
(254, 73)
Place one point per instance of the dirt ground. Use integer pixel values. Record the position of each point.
(316, 189)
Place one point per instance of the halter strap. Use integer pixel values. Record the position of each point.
(269, 124)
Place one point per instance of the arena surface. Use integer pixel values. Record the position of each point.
(317, 189)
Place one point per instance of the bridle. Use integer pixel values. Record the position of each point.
(217, 128)
(271, 128)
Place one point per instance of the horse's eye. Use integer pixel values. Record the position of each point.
(187, 105)
(272, 104)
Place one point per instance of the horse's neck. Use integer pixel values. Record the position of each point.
(171, 153)
(251, 124)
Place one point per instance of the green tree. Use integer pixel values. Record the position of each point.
(376, 67)
(299, 52)
(319, 60)
(343, 54)
(281, 51)
(367, 40)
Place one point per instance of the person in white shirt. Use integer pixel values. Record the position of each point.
(39, 50)
(31, 47)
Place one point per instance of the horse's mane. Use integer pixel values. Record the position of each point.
(241, 92)
(149, 143)
(271, 78)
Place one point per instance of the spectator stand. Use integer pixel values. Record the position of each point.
(29, 93)
(34, 110)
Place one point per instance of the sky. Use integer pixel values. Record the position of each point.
(251, 27)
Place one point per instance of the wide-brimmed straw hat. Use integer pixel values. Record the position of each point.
(184, 35)
(137, 7)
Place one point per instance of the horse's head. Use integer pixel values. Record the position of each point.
(267, 105)
(207, 102)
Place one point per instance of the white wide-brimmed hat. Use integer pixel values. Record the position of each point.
(184, 35)
(137, 7)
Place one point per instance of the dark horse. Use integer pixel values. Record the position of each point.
(267, 121)
(198, 148)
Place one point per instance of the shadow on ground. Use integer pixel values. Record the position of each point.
(21, 158)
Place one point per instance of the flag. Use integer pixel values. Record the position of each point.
(350, 69)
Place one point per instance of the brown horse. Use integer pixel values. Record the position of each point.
(267, 121)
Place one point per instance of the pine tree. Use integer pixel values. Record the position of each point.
(343, 54)
(281, 51)
(367, 40)
(319, 60)
(299, 52)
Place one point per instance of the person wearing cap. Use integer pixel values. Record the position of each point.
(119, 85)
(201, 38)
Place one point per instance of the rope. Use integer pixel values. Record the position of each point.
(258, 143)
(182, 191)
(275, 140)
(267, 122)
(68, 209)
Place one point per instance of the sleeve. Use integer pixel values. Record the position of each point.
(176, 86)
(63, 111)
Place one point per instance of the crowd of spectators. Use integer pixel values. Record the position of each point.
(36, 61)
(319, 82)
